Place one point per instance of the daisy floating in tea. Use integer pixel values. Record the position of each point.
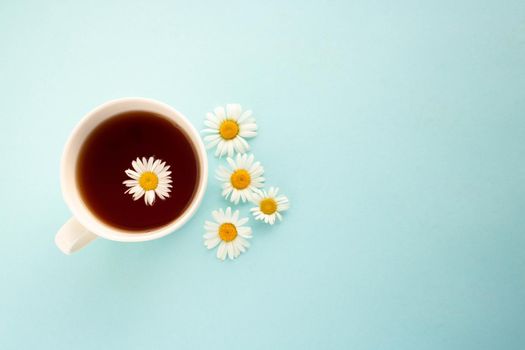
(269, 205)
(228, 232)
(149, 178)
(228, 129)
(242, 180)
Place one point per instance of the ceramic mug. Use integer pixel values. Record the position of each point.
(84, 226)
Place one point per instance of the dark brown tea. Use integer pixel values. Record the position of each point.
(109, 151)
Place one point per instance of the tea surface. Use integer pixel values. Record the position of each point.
(109, 150)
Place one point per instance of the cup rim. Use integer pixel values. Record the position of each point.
(75, 202)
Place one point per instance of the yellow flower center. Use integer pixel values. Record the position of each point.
(268, 206)
(229, 129)
(240, 179)
(148, 180)
(227, 232)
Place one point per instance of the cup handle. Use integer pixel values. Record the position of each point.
(72, 237)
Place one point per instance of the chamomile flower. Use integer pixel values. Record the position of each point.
(149, 178)
(228, 129)
(242, 180)
(269, 205)
(228, 232)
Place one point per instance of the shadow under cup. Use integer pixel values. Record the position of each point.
(109, 151)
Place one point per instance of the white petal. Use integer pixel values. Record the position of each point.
(236, 195)
(210, 131)
(164, 188)
(256, 169)
(223, 178)
(224, 149)
(212, 144)
(137, 165)
(210, 235)
(228, 214)
(243, 241)
(233, 111)
(229, 247)
(164, 174)
(245, 231)
(239, 160)
(247, 134)
(133, 189)
(226, 192)
(245, 115)
(165, 180)
(238, 145)
(221, 252)
(283, 205)
(230, 148)
(220, 146)
(242, 221)
(257, 182)
(221, 215)
(138, 194)
(162, 192)
(236, 251)
(143, 161)
(257, 174)
(211, 128)
(248, 164)
(244, 142)
(150, 163)
(217, 216)
(149, 198)
(281, 199)
(232, 164)
(155, 165)
(212, 243)
(220, 114)
(212, 137)
(247, 126)
(257, 197)
(133, 174)
(211, 120)
(130, 183)
(238, 244)
(210, 224)
(244, 195)
(235, 217)
(223, 174)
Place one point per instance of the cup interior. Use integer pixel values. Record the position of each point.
(71, 192)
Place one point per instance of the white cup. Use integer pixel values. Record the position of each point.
(84, 226)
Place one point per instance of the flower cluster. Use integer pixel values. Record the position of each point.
(242, 180)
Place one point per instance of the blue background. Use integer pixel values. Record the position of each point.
(395, 128)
